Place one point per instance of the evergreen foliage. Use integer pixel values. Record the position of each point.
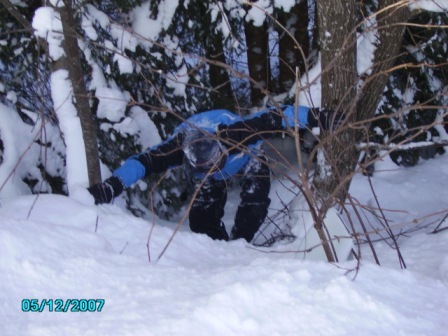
(25, 87)
(414, 94)
(168, 74)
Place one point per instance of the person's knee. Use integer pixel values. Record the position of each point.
(256, 192)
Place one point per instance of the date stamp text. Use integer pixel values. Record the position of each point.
(63, 306)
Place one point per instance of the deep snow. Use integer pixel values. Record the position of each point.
(55, 247)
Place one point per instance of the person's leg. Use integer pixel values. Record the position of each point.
(255, 200)
(208, 209)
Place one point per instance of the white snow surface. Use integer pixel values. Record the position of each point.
(54, 247)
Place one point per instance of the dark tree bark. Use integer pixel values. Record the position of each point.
(391, 29)
(337, 21)
(76, 75)
(339, 80)
(294, 45)
(258, 60)
(337, 38)
(222, 95)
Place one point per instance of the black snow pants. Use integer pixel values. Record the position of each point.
(208, 207)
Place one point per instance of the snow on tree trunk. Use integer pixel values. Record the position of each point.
(70, 125)
(81, 101)
(47, 23)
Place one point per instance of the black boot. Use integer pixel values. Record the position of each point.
(216, 232)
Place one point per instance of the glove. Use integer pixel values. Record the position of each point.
(106, 192)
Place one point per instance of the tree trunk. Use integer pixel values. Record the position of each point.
(79, 91)
(338, 156)
(337, 37)
(333, 177)
(337, 21)
(257, 40)
(73, 63)
(391, 30)
(222, 95)
(292, 53)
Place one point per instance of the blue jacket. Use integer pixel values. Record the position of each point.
(242, 138)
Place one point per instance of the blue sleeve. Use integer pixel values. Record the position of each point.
(156, 160)
(130, 172)
(302, 116)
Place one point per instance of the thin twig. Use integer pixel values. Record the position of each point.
(361, 222)
(388, 229)
(437, 230)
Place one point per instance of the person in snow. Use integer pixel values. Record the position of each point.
(214, 146)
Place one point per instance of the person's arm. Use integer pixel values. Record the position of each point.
(262, 125)
(156, 160)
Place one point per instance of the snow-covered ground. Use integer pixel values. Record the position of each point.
(53, 247)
